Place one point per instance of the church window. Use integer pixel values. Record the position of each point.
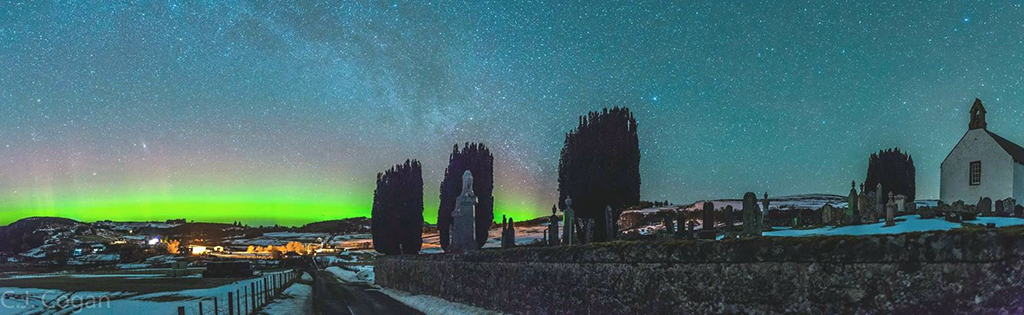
(975, 173)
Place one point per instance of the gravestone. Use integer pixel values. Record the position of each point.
(863, 208)
(728, 221)
(569, 228)
(510, 234)
(689, 229)
(901, 203)
(764, 212)
(610, 222)
(589, 231)
(681, 227)
(553, 227)
(751, 216)
(999, 210)
(851, 203)
(1009, 204)
(707, 231)
(464, 230)
(985, 206)
(890, 214)
(1018, 211)
(504, 231)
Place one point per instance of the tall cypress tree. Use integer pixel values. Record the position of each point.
(895, 171)
(476, 158)
(600, 166)
(396, 220)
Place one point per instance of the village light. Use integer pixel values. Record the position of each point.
(154, 241)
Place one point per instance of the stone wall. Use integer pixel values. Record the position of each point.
(970, 271)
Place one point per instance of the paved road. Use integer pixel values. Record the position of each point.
(331, 296)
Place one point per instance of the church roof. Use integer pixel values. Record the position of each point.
(1013, 149)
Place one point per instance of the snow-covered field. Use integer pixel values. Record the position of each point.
(904, 224)
(49, 301)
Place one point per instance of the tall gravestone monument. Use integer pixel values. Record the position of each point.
(751, 216)
(851, 204)
(707, 231)
(464, 230)
(553, 227)
(569, 228)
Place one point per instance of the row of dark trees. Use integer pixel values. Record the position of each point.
(599, 167)
(397, 215)
(895, 171)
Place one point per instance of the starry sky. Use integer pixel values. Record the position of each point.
(283, 114)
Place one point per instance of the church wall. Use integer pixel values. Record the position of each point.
(1018, 182)
(997, 170)
(965, 271)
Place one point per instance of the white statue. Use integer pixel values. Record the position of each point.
(464, 229)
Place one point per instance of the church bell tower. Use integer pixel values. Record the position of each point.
(978, 116)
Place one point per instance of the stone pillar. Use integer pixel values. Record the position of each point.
(464, 231)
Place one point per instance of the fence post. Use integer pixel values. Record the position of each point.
(200, 307)
(245, 297)
(181, 310)
(216, 309)
(252, 286)
(231, 305)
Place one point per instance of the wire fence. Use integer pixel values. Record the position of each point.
(243, 298)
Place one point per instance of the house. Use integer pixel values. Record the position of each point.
(983, 164)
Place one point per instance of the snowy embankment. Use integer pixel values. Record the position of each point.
(430, 305)
(296, 299)
(904, 224)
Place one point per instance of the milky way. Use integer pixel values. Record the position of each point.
(284, 114)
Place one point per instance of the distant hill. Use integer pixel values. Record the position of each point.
(31, 232)
(344, 226)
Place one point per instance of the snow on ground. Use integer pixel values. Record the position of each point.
(296, 299)
(910, 223)
(39, 300)
(361, 273)
(432, 305)
(36, 301)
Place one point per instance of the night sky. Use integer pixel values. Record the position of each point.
(284, 114)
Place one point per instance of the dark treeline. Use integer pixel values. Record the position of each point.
(600, 166)
(895, 170)
(397, 214)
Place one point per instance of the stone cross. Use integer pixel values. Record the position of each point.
(553, 227)
(464, 231)
(708, 228)
(569, 217)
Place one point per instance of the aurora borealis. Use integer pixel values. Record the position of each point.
(283, 114)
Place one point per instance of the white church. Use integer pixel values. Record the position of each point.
(982, 164)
